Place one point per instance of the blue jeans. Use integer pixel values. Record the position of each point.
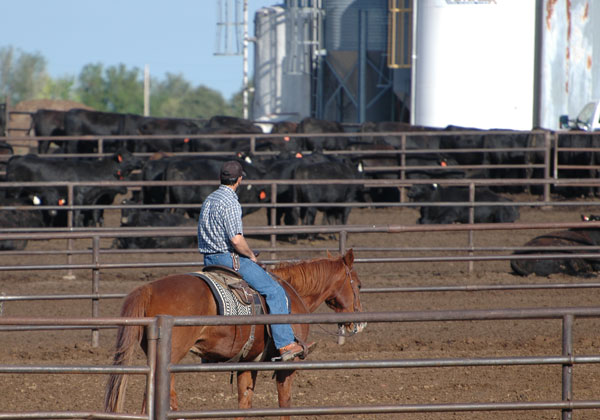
(260, 281)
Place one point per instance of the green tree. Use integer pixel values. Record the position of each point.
(91, 86)
(22, 75)
(60, 88)
(115, 89)
(175, 97)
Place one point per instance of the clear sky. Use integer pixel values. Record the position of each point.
(170, 36)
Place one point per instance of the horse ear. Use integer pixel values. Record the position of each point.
(349, 257)
(329, 254)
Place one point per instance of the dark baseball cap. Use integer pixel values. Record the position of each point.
(232, 169)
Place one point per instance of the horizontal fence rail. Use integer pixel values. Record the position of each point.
(159, 368)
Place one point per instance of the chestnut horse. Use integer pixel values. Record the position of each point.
(307, 283)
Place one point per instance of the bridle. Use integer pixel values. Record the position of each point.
(355, 299)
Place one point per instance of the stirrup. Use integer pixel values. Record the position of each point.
(292, 354)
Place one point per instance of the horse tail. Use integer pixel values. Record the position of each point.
(134, 306)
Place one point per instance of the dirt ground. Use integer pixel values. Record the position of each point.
(380, 341)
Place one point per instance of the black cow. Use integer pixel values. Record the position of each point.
(583, 158)
(460, 214)
(493, 141)
(311, 125)
(154, 169)
(431, 166)
(411, 142)
(575, 237)
(2, 120)
(373, 165)
(139, 218)
(18, 218)
(225, 125)
(418, 165)
(326, 167)
(453, 142)
(6, 151)
(284, 143)
(282, 167)
(48, 122)
(167, 126)
(208, 169)
(81, 122)
(31, 168)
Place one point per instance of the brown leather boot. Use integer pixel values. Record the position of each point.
(293, 350)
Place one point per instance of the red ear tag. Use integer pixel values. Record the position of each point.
(262, 195)
(120, 158)
(62, 202)
(443, 163)
(286, 138)
(299, 155)
(186, 140)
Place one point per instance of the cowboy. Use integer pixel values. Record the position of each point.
(221, 241)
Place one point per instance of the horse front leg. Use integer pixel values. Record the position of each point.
(284, 380)
(246, 380)
(173, 395)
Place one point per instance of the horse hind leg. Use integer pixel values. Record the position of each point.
(246, 380)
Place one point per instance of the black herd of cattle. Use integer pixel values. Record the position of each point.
(290, 158)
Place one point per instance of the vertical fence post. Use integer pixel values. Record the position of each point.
(273, 213)
(567, 369)
(555, 156)
(403, 197)
(152, 336)
(163, 362)
(95, 287)
(70, 201)
(342, 247)
(343, 240)
(547, 164)
(252, 145)
(471, 220)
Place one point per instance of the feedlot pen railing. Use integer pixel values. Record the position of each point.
(99, 264)
(159, 368)
(542, 152)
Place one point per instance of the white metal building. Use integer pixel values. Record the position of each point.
(515, 64)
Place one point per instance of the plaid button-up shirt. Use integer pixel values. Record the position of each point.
(220, 220)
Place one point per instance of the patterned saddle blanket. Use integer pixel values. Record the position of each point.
(233, 295)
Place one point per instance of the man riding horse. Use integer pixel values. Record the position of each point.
(221, 241)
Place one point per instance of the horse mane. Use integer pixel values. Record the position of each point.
(306, 276)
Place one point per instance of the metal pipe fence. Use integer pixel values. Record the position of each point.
(159, 369)
(470, 253)
(100, 258)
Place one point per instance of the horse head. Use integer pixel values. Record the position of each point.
(346, 293)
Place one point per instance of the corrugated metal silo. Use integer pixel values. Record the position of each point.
(283, 60)
(341, 23)
(356, 83)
